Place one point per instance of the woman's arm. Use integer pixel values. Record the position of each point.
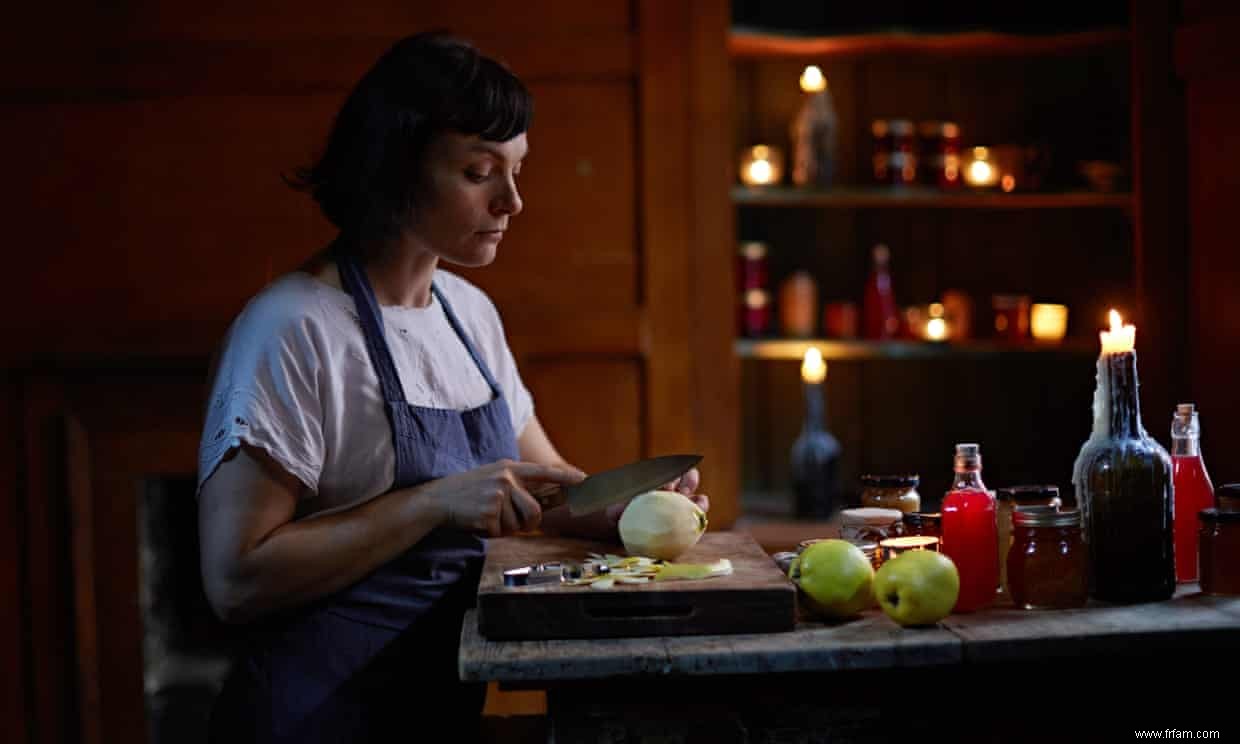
(256, 559)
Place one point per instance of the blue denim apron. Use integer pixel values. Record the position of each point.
(378, 660)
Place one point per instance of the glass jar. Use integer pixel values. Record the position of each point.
(1047, 565)
(902, 170)
(869, 525)
(1019, 497)
(1218, 551)
(869, 549)
(891, 492)
(922, 524)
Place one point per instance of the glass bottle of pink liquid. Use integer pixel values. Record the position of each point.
(970, 534)
(1191, 486)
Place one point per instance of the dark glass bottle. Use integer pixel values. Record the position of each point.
(1124, 488)
(815, 460)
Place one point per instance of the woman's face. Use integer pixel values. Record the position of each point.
(468, 196)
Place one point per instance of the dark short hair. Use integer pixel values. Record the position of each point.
(365, 182)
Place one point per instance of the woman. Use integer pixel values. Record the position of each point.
(367, 426)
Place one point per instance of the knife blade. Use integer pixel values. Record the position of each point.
(613, 486)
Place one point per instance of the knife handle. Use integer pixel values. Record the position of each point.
(548, 495)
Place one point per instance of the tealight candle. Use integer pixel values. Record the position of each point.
(762, 165)
(893, 546)
(1048, 322)
(980, 172)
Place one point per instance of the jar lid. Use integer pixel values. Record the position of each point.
(905, 480)
(1026, 494)
(1046, 518)
(870, 516)
(919, 519)
(1218, 515)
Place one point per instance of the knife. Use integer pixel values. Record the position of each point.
(617, 485)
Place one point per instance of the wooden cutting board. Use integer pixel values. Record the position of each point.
(756, 598)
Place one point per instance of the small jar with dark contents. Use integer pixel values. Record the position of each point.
(923, 524)
(1218, 551)
(1047, 565)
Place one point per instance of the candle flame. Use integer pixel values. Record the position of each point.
(813, 369)
(1121, 338)
(812, 80)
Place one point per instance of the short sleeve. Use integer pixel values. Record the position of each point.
(264, 393)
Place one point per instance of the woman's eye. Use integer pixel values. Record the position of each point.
(476, 176)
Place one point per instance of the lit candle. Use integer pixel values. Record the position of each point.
(893, 546)
(1121, 338)
(1048, 322)
(812, 80)
(980, 172)
(762, 165)
(813, 369)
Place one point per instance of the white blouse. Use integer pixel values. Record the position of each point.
(293, 378)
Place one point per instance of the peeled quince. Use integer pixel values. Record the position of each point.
(661, 524)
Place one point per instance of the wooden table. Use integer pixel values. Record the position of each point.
(1126, 667)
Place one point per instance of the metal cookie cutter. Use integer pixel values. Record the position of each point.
(549, 573)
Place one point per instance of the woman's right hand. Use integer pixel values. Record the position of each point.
(494, 499)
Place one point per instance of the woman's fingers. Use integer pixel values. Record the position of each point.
(527, 508)
(530, 471)
(509, 522)
(702, 501)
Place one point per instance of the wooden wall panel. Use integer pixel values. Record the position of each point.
(1211, 69)
(592, 408)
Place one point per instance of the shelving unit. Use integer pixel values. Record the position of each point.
(899, 406)
(923, 198)
(837, 350)
(752, 43)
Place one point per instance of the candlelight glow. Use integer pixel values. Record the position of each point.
(936, 329)
(1120, 338)
(980, 172)
(760, 171)
(1048, 322)
(812, 80)
(813, 369)
(762, 165)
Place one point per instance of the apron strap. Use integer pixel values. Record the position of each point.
(469, 345)
(355, 283)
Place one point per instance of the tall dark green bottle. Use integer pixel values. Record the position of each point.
(1124, 486)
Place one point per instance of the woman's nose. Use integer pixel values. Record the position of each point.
(509, 202)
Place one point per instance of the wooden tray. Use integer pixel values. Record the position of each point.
(756, 598)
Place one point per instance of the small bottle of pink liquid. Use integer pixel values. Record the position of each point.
(1191, 487)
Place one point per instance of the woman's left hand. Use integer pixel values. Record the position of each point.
(686, 484)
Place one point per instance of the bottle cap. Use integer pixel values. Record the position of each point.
(968, 450)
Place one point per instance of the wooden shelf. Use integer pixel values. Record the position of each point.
(904, 197)
(758, 44)
(834, 350)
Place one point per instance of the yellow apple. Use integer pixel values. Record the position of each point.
(836, 578)
(917, 587)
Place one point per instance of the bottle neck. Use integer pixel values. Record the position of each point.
(1185, 447)
(968, 479)
(1117, 404)
(815, 408)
